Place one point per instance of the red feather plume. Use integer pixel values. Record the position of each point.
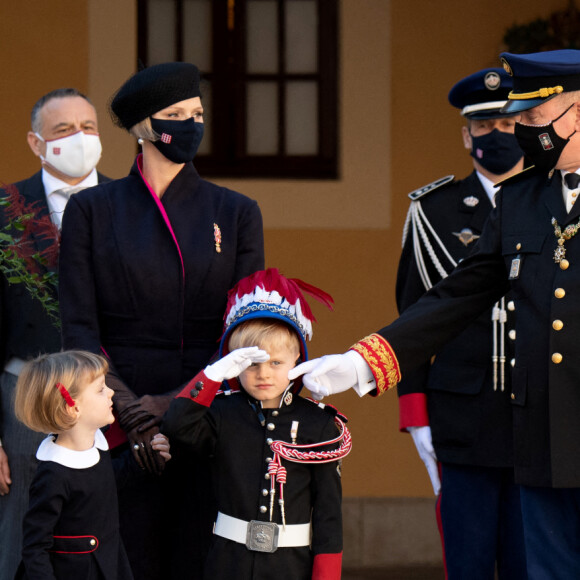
(292, 289)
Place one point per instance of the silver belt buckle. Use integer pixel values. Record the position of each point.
(262, 536)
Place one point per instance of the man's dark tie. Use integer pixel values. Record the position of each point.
(572, 180)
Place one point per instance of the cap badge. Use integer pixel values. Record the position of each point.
(466, 236)
(546, 142)
(470, 201)
(491, 81)
(507, 67)
(165, 138)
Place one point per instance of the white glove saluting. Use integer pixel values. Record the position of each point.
(328, 375)
(424, 444)
(235, 363)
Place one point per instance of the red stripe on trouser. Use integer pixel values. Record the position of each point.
(439, 522)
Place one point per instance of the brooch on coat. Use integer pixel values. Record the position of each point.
(217, 237)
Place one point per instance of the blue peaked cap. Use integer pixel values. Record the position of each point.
(482, 95)
(540, 76)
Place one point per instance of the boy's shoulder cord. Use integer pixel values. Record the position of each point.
(303, 454)
(307, 453)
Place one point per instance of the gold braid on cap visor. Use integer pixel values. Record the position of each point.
(542, 93)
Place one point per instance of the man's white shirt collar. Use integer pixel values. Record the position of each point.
(52, 183)
(488, 186)
(57, 203)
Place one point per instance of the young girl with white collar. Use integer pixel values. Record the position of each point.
(71, 529)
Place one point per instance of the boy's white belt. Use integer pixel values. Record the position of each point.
(255, 534)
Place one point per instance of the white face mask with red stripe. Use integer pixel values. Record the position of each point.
(75, 155)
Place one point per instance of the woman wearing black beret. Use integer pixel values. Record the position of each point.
(146, 262)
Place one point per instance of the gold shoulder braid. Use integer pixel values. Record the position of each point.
(562, 236)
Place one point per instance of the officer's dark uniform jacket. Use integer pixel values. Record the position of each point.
(470, 421)
(230, 432)
(516, 250)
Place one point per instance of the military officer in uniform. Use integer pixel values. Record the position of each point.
(458, 409)
(529, 245)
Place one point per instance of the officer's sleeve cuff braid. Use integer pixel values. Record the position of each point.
(382, 361)
(200, 389)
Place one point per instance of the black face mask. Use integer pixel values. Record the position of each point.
(542, 145)
(179, 140)
(496, 151)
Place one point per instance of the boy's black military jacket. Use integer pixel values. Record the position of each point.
(231, 434)
(516, 250)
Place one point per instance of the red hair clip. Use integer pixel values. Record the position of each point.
(65, 394)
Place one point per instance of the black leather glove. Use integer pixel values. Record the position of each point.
(131, 417)
(145, 456)
(154, 406)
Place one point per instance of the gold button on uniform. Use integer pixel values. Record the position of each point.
(93, 542)
(559, 293)
(512, 334)
(513, 396)
(557, 358)
(564, 264)
(513, 362)
(518, 246)
(557, 325)
(511, 306)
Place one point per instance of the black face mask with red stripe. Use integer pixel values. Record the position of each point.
(178, 140)
(541, 144)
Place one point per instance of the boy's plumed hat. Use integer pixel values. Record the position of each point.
(269, 294)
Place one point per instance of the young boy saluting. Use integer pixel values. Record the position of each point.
(275, 455)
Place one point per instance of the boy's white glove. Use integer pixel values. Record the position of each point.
(328, 375)
(424, 444)
(235, 363)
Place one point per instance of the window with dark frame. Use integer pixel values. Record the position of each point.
(270, 87)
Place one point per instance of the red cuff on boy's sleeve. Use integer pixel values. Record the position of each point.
(413, 411)
(200, 390)
(327, 566)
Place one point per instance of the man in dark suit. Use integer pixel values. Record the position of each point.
(458, 409)
(64, 135)
(529, 245)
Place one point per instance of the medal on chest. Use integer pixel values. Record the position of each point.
(562, 236)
